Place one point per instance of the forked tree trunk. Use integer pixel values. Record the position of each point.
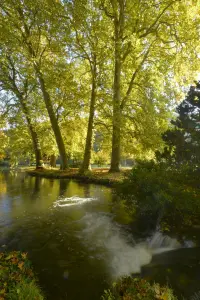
(53, 120)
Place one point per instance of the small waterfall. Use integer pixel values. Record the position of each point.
(110, 242)
(196, 296)
(107, 240)
(161, 243)
(189, 244)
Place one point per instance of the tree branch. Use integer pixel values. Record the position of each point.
(131, 84)
(127, 52)
(151, 27)
(104, 8)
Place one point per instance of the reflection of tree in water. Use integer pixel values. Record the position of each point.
(63, 186)
(3, 186)
(87, 191)
(36, 187)
(51, 183)
(4, 174)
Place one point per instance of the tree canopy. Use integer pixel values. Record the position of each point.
(87, 80)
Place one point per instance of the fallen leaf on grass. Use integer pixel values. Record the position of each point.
(20, 265)
(24, 255)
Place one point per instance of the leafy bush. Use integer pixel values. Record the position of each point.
(159, 184)
(17, 280)
(170, 195)
(128, 288)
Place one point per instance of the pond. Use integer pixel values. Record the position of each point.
(81, 237)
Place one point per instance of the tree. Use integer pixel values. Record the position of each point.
(11, 80)
(33, 30)
(183, 139)
(146, 35)
(88, 28)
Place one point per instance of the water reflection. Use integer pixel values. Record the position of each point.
(63, 187)
(31, 221)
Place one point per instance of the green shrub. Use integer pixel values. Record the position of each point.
(160, 185)
(128, 288)
(17, 280)
(172, 195)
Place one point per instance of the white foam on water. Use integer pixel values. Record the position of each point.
(110, 242)
(159, 243)
(70, 201)
(116, 245)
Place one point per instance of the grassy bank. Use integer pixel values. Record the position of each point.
(17, 281)
(129, 288)
(97, 176)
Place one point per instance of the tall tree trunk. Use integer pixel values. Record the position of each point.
(36, 145)
(34, 136)
(53, 120)
(115, 156)
(88, 145)
(53, 161)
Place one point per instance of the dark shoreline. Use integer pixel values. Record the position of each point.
(80, 178)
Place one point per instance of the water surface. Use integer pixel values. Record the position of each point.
(78, 236)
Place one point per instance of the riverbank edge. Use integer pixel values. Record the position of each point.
(95, 178)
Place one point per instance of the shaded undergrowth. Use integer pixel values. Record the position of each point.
(17, 280)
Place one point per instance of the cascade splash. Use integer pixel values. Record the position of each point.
(117, 246)
(112, 243)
